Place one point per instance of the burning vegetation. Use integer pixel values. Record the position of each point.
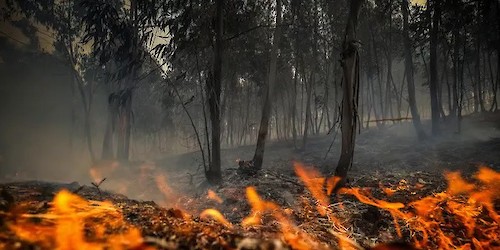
(189, 84)
(463, 216)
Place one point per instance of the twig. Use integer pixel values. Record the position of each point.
(97, 185)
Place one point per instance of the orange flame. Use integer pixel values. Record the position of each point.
(64, 226)
(216, 215)
(315, 184)
(213, 196)
(426, 219)
(464, 206)
(291, 233)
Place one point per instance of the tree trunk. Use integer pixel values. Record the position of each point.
(309, 85)
(383, 114)
(456, 49)
(433, 67)
(107, 145)
(266, 111)
(213, 174)
(350, 66)
(409, 74)
(478, 85)
(294, 105)
(125, 115)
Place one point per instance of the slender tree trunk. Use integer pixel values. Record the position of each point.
(202, 93)
(409, 74)
(327, 99)
(383, 114)
(213, 174)
(124, 117)
(308, 122)
(456, 50)
(433, 67)
(107, 145)
(350, 66)
(478, 85)
(294, 106)
(497, 84)
(266, 111)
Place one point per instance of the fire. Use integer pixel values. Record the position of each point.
(428, 219)
(216, 215)
(292, 234)
(213, 196)
(463, 216)
(74, 223)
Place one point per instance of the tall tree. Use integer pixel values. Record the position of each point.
(409, 72)
(213, 174)
(435, 6)
(268, 98)
(350, 88)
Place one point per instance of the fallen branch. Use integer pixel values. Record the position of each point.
(392, 119)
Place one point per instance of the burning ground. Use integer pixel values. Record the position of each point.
(437, 195)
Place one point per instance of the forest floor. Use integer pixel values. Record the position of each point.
(389, 164)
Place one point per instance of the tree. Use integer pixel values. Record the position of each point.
(409, 72)
(116, 40)
(435, 6)
(214, 84)
(350, 88)
(269, 94)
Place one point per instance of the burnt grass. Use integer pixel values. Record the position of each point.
(389, 157)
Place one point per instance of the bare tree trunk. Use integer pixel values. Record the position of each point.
(309, 85)
(294, 106)
(202, 93)
(350, 65)
(371, 87)
(456, 49)
(433, 67)
(327, 99)
(478, 85)
(497, 84)
(107, 145)
(409, 74)
(383, 114)
(266, 111)
(213, 174)
(124, 123)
